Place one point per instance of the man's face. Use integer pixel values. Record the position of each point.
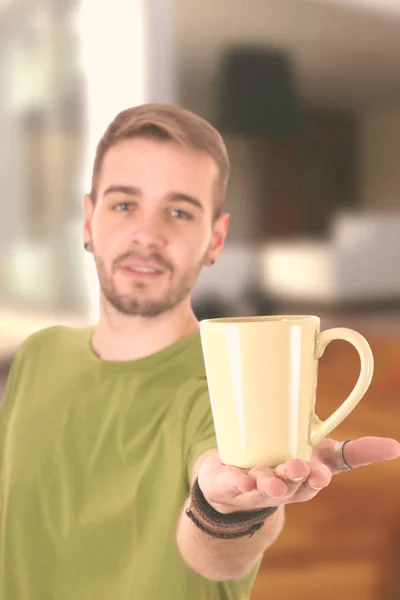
(151, 228)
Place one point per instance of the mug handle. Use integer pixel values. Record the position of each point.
(320, 429)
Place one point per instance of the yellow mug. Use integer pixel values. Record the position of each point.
(262, 380)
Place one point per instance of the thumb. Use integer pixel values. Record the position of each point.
(221, 482)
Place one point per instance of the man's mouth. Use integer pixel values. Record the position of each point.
(143, 271)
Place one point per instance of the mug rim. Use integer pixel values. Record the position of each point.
(260, 319)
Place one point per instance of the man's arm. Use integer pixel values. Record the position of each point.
(229, 489)
(220, 559)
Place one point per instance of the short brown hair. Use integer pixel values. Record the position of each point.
(166, 122)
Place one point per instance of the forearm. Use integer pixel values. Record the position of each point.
(220, 559)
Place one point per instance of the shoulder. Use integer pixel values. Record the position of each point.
(47, 342)
(49, 334)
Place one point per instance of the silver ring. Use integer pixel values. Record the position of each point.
(339, 457)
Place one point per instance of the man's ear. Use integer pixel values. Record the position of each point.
(87, 233)
(220, 231)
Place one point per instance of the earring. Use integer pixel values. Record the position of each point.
(212, 262)
(87, 246)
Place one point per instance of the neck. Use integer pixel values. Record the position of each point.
(120, 337)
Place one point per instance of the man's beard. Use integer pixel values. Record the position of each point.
(136, 304)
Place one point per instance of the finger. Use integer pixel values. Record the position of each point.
(319, 478)
(293, 472)
(232, 483)
(358, 453)
(368, 450)
(267, 483)
(226, 480)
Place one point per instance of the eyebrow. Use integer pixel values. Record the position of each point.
(172, 197)
(123, 189)
(179, 197)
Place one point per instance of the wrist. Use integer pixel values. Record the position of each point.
(228, 524)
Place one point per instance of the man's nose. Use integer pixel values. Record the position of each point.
(148, 232)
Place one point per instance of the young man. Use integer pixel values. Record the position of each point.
(111, 484)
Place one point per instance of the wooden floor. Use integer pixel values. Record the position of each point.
(346, 542)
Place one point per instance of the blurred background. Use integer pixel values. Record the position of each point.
(307, 96)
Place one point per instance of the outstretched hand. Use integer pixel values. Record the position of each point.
(230, 489)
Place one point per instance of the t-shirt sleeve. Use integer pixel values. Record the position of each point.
(8, 400)
(23, 355)
(6, 404)
(199, 431)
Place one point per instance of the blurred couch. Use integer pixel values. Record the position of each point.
(359, 263)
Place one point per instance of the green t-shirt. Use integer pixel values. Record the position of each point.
(96, 461)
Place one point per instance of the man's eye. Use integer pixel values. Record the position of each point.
(122, 206)
(181, 214)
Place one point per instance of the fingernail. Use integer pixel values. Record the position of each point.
(296, 479)
(276, 496)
